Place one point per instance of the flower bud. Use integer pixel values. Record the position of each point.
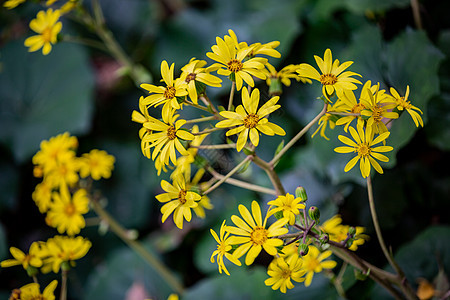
(352, 231)
(303, 249)
(300, 192)
(324, 238)
(359, 275)
(314, 214)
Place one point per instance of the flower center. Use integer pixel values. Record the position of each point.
(234, 65)
(47, 34)
(286, 274)
(377, 113)
(223, 248)
(404, 103)
(190, 77)
(363, 150)
(312, 264)
(259, 235)
(171, 133)
(70, 209)
(182, 196)
(328, 79)
(251, 121)
(169, 93)
(358, 108)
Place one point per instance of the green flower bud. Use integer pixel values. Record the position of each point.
(352, 231)
(275, 87)
(314, 214)
(303, 249)
(359, 275)
(324, 238)
(300, 192)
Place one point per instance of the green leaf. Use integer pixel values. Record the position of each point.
(42, 96)
(122, 272)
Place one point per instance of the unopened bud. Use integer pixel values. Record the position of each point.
(352, 231)
(359, 275)
(324, 238)
(314, 214)
(300, 192)
(303, 249)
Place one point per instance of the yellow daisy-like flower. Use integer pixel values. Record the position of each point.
(252, 234)
(363, 146)
(32, 291)
(143, 117)
(377, 108)
(333, 77)
(57, 149)
(47, 26)
(314, 262)
(178, 199)
(42, 196)
(282, 271)
(326, 119)
(165, 137)
(338, 232)
(403, 103)
(66, 212)
(231, 61)
(223, 249)
(166, 95)
(64, 173)
(62, 249)
(10, 4)
(257, 48)
(349, 104)
(97, 164)
(288, 205)
(194, 74)
(251, 120)
(33, 258)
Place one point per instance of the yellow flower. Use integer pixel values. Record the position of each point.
(56, 150)
(257, 48)
(348, 103)
(10, 4)
(195, 75)
(66, 212)
(42, 196)
(165, 95)
(377, 108)
(97, 164)
(64, 249)
(338, 232)
(178, 199)
(284, 75)
(165, 137)
(403, 103)
(47, 26)
(143, 117)
(326, 119)
(251, 120)
(363, 147)
(64, 173)
(223, 249)
(33, 258)
(288, 205)
(252, 234)
(314, 262)
(32, 291)
(231, 61)
(282, 271)
(68, 6)
(333, 77)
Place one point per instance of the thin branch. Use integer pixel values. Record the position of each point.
(273, 176)
(230, 100)
(221, 146)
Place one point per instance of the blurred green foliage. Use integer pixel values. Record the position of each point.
(75, 89)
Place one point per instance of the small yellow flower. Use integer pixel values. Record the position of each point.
(64, 173)
(403, 103)
(42, 196)
(32, 291)
(288, 205)
(333, 77)
(251, 120)
(284, 75)
(194, 74)
(257, 48)
(97, 164)
(338, 232)
(223, 249)
(282, 271)
(33, 258)
(231, 61)
(47, 26)
(377, 108)
(165, 137)
(143, 117)
(165, 95)
(326, 119)
(10, 4)
(314, 262)
(252, 234)
(363, 147)
(178, 199)
(66, 212)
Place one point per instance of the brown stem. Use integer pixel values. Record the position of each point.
(273, 176)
